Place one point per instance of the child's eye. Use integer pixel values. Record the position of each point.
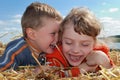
(68, 43)
(53, 33)
(85, 45)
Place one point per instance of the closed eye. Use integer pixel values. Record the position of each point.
(68, 43)
(85, 45)
(53, 33)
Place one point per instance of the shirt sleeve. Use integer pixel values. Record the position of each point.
(106, 50)
(8, 59)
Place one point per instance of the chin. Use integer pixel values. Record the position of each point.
(74, 63)
(49, 51)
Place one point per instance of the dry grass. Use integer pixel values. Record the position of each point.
(27, 73)
(115, 56)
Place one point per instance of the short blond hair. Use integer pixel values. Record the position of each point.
(32, 17)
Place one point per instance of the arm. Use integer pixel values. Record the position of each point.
(98, 58)
(93, 60)
(8, 59)
(100, 46)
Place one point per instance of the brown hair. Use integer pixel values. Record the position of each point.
(84, 22)
(34, 13)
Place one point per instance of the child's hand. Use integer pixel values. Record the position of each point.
(98, 58)
(85, 68)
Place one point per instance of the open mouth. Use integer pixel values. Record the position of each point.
(75, 58)
(52, 46)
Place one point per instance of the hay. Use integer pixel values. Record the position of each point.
(27, 73)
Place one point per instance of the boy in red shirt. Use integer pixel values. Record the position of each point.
(80, 51)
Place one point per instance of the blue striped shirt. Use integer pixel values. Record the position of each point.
(17, 53)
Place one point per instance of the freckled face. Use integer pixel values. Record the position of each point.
(75, 46)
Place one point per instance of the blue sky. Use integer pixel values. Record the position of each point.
(102, 8)
(108, 11)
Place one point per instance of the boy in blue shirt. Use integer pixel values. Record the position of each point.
(40, 25)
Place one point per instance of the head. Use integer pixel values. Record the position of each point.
(78, 34)
(40, 24)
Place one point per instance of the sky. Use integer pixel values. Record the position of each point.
(107, 11)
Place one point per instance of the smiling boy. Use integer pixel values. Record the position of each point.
(40, 25)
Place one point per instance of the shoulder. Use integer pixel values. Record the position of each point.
(16, 43)
(102, 47)
(15, 46)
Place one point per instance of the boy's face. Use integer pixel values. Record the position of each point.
(75, 46)
(46, 37)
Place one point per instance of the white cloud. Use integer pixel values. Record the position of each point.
(17, 16)
(110, 21)
(2, 22)
(111, 26)
(12, 24)
(113, 9)
(16, 21)
(106, 19)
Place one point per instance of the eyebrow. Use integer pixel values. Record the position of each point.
(80, 40)
(67, 38)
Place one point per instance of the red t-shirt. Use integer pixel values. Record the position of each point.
(59, 60)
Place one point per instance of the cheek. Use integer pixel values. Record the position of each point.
(88, 50)
(65, 48)
(65, 52)
(47, 38)
(51, 39)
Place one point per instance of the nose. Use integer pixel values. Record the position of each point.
(76, 49)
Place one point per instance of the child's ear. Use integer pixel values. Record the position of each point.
(30, 33)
